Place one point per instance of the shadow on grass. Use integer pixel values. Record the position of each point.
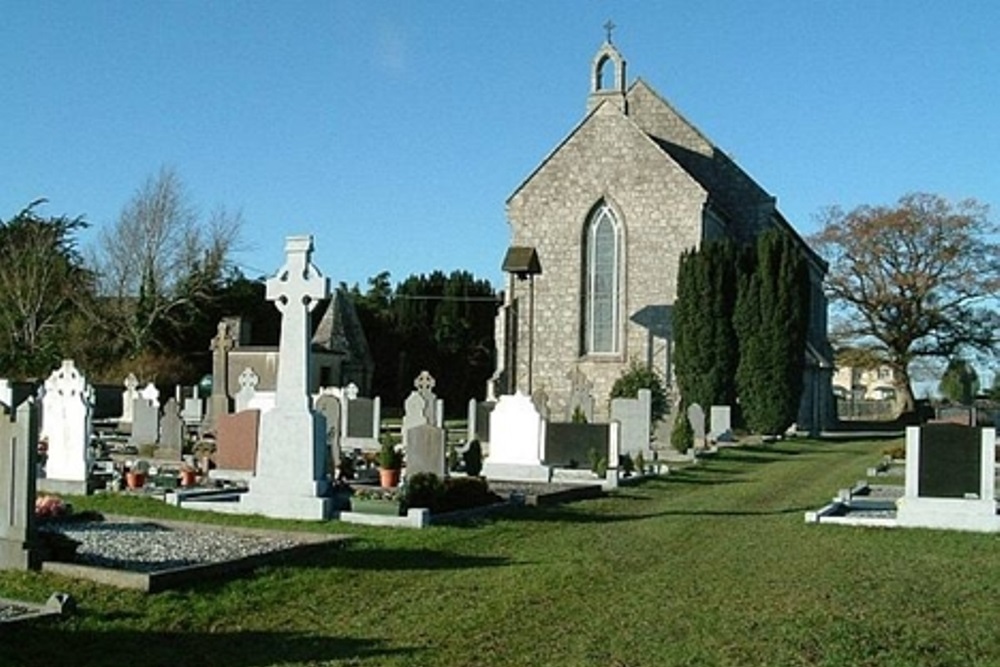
(568, 515)
(399, 559)
(48, 644)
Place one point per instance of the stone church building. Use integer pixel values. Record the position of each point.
(598, 229)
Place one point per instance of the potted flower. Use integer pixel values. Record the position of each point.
(189, 475)
(135, 478)
(390, 463)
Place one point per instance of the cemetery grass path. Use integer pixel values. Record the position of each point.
(711, 565)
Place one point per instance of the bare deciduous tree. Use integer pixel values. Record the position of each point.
(917, 280)
(160, 259)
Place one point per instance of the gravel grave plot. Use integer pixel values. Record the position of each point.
(151, 547)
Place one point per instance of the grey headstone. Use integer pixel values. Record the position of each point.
(634, 416)
(172, 427)
(145, 423)
(425, 450)
(479, 420)
(696, 417)
(720, 420)
(415, 413)
(329, 406)
(194, 409)
(18, 465)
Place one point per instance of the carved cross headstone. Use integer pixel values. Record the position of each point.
(351, 391)
(295, 291)
(150, 394)
(128, 397)
(290, 480)
(424, 383)
(66, 424)
(248, 387)
(218, 402)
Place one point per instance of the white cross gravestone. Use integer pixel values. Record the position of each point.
(420, 407)
(150, 394)
(291, 455)
(128, 397)
(66, 427)
(248, 387)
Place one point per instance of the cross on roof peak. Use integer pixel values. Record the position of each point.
(609, 27)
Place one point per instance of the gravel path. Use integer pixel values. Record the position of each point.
(149, 547)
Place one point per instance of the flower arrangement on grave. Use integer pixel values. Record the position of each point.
(50, 507)
(377, 493)
(375, 500)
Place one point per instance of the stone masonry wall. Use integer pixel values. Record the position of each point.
(660, 209)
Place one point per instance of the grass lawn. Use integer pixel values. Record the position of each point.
(712, 565)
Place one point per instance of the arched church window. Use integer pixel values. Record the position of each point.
(603, 255)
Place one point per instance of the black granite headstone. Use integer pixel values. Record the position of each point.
(950, 461)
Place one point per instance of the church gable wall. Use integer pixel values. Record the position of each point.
(660, 208)
(749, 205)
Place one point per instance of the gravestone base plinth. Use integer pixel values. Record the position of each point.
(953, 513)
(290, 482)
(517, 472)
(18, 555)
(68, 487)
(305, 508)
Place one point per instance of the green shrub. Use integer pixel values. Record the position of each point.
(473, 459)
(682, 435)
(626, 464)
(424, 489)
(467, 492)
(598, 463)
(578, 417)
(640, 463)
(639, 377)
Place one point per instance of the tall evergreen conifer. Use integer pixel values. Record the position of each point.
(705, 338)
(772, 318)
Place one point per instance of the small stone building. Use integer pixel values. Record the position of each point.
(340, 353)
(607, 215)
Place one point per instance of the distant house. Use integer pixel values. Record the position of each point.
(864, 384)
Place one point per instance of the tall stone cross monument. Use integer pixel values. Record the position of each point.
(291, 454)
(218, 402)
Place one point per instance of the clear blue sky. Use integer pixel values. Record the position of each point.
(394, 131)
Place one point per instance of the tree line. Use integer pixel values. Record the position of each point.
(148, 297)
(441, 323)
